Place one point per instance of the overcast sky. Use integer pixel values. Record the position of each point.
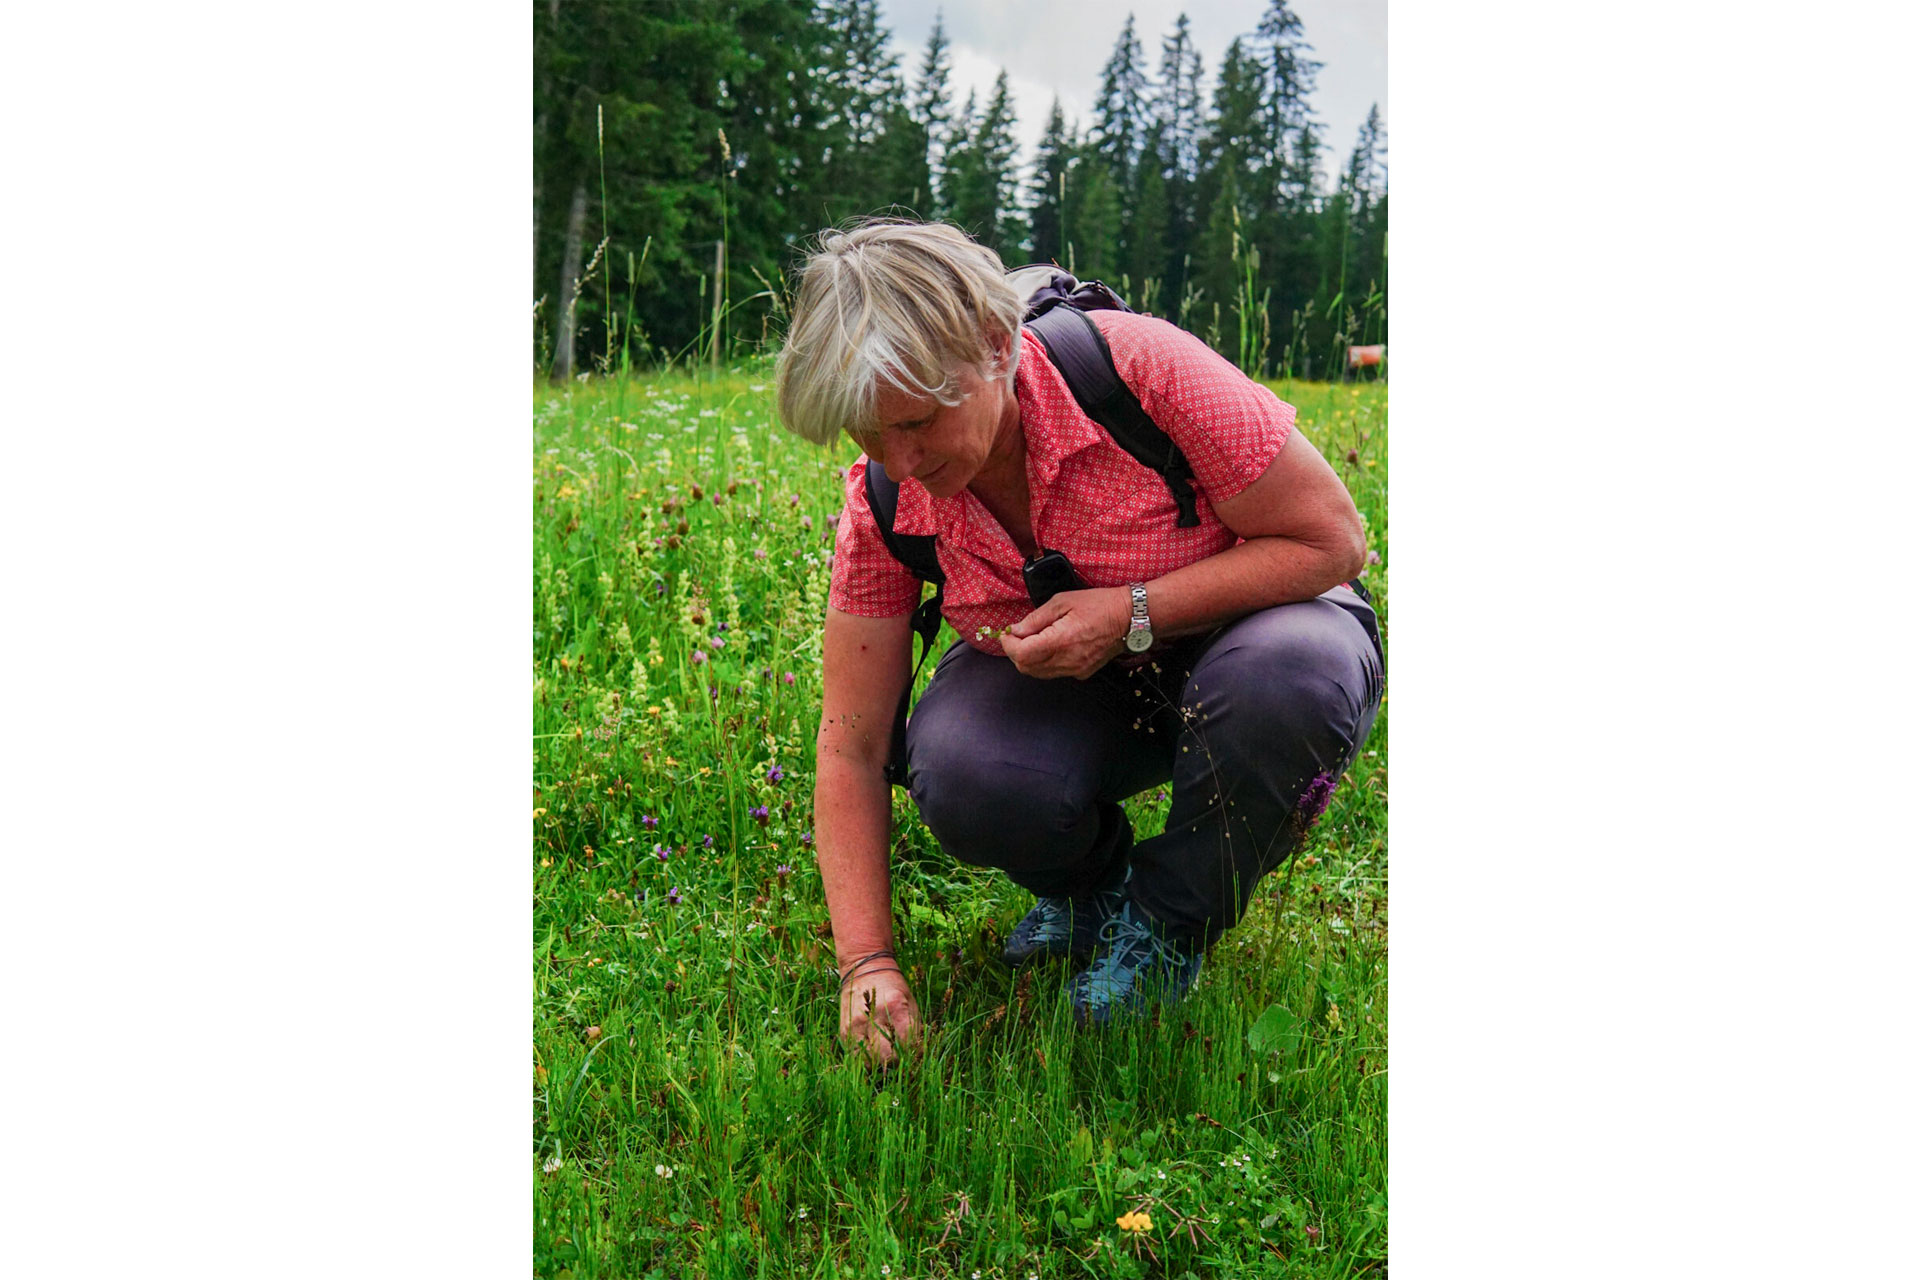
(1058, 47)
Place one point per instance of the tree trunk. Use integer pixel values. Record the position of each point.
(569, 276)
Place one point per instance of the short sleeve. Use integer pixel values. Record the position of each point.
(1229, 426)
(867, 581)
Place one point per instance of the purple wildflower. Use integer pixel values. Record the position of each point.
(793, 499)
(659, 586)
(759, 814)
(783, 871)
(706, 842)
(723, 626)
(673, 897)
(1313, 801)
(806, 522)
(648, 821)
(660, 852)
(806, 839)
(776, 773)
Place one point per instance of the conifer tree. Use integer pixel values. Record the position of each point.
(1046, 197)
(1290, 73)
(985, 181)
(957, 177)
(1182, 113)
(860, 92)
(1093, 218)
(1229, 153)
(1181, 109)
(1121, 112)
(1146, 232)
(931, 106)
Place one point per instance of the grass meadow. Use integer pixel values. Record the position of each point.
(693, 1115)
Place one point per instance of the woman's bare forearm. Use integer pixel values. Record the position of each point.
(1254, 575)
(852, 818)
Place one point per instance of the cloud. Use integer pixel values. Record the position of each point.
(1053, 47)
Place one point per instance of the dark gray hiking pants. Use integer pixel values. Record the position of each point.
(1253, 724)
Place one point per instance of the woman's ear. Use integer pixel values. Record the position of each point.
(1001, 345)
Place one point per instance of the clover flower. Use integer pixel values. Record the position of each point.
(717, 643)
(699, 656)
(787, 678)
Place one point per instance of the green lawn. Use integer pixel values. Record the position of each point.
(692, 1114)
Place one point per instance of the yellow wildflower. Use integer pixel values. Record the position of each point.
(1136, 1222)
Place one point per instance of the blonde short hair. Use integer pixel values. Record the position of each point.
(887, 300)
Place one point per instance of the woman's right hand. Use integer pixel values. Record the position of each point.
(874, 1003)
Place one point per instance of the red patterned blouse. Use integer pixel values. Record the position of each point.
(1112, 517)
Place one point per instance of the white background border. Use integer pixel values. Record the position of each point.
(267, 513)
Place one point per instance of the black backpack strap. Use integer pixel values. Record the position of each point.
(1079, 351)
(915, 551)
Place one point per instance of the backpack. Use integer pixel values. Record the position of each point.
(1056, 314)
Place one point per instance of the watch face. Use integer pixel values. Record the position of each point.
(1140, 641)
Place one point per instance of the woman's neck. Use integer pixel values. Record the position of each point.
(1006, 465)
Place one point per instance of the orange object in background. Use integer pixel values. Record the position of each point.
(1360, 357)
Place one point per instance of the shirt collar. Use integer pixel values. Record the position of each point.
(1055, 427)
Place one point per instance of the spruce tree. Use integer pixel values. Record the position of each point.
(959, 179)
(1146, 238)
(1229, 152)
(1290, 78)
(859, 93)
(1182, 113)
(1093, 216)
(1046, 221)
(931, 106)
(986, 182)
(1121, 113)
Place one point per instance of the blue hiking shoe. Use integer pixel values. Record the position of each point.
(1137, 966)
(1063, 926)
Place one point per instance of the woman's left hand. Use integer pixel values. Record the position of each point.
(1074, 634)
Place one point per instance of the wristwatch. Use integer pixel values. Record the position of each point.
(1139, 631)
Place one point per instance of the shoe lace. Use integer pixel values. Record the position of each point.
(1132, 943)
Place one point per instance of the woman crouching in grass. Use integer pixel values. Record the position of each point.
(1219, 647)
